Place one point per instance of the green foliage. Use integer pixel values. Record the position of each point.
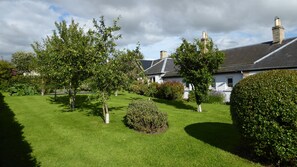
(197, 62)
(211, 97)
(152, 89)
(5, 74)
(25, 62)
(139, 87)
(264, 108)
(22, 90)
(170, 90)
(143, 116)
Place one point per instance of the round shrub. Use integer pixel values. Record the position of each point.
(143, 116)
(264, 108)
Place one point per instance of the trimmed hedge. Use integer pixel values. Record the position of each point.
(143, 116)
(264, 109)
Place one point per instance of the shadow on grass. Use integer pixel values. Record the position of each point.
(220, 135)
(83, 103)
(176, 104)
(14, 149)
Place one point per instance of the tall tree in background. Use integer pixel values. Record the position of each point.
(47, 66)
(197, 62)
(25, 62)
(5, 74)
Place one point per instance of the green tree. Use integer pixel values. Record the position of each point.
(47, 66)
(67, 52)
(128, 67)
(197, 62)
(5, 73)
(25, 62)
(103, 62)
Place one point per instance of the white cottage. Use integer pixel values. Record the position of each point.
(280, 53)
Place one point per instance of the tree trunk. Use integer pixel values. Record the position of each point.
(105, 109)
(116, 93)
(55, 97)
(106, 114)
(42, 87)
(71, 99)
(199, 109)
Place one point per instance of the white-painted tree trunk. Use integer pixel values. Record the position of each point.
(116, 93)
(107, 118)
(199, 109)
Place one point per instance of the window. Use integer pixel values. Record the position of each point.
(230, 82)
(187, 85)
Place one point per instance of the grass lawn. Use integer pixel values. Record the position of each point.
(37, 131)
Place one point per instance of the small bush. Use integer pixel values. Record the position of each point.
(139, 87)
(212, 97)
(170, 90)
(264, 108)
(143, 116)
(152, 89)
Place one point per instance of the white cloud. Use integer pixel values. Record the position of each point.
(157, 25)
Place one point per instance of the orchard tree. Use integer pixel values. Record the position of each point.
(47, 66)
(102, 64)
(128, 67)
(197, 62)
(25, 62)
(66, 55)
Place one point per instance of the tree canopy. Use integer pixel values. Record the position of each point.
(25, 62)
(197, 62)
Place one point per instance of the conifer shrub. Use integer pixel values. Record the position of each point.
(264, 109)
(144, 116)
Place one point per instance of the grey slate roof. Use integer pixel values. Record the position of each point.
(244, 58)
(161, 66)
(261, 56)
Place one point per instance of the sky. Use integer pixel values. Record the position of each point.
(155, 24)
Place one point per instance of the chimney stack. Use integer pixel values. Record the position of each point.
(278, 31)
(163, 54)
(204, 39)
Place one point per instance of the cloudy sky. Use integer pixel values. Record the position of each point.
(156, 24)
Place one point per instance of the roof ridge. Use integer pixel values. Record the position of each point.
(276, 50)
(164, 65)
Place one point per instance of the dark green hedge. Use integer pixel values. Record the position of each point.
(143, 116)
(264, 108)
(169, 90)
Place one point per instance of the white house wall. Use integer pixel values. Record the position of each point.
(221, 83)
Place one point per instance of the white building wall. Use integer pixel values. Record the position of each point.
(221, 81)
